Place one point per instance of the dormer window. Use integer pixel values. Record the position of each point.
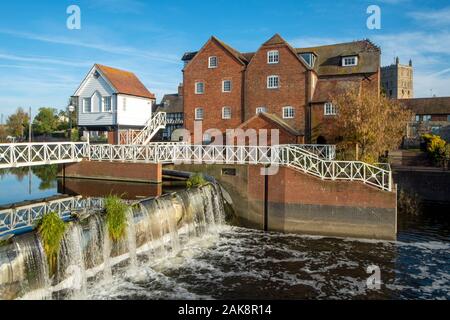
(273, 56)
(212, 62)
(350, 61)
(309, 58)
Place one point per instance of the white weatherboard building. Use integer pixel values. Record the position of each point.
(113, 101)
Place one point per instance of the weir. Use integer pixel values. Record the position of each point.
(156, 228)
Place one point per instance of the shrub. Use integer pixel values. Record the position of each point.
(196, 180)
(435, 147)
(75, 136)
(116, 217)
(51, 228)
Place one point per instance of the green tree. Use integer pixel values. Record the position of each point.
(17, 123)
(46, 121)
(3, 133)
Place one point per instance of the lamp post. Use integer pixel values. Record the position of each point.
(71, 109)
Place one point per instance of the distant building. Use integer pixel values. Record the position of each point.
(172, 105)
(431, 115)
(224, 88)
(112, 101)
(397, 80)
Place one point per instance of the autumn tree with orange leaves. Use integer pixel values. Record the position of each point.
(372, 123)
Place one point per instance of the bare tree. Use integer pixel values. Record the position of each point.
(373, 123)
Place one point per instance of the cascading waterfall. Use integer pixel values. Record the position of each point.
(155, 229)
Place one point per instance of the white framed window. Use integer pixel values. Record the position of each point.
(124, 104)
(226, 113)
(261, 110)
(107, 107)
(198, 113)
(212, 62)
(288, 112)
(199, 88)
(273, 82)
(329, 109)
(87, 105)
(273, 56)
(226, 86)
(350, 61)
(426, 117)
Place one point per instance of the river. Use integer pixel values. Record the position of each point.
(232, 262)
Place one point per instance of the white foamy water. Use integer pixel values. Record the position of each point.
(242, 263)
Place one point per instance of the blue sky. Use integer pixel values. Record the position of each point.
(42, 62)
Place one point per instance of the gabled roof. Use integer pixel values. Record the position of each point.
(269, 117)
(231, 50)
(329, 57)
(275, 40)
(125, 82)
(236, 54)
(327, 88)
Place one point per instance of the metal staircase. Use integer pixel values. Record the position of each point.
(157, 122)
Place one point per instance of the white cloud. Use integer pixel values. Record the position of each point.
(44, 60)
(109, 48)
(433, 17)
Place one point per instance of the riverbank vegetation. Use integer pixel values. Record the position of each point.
(48, 122)
(51, 229)
(116, 217)
(370, 123)
(437, 149)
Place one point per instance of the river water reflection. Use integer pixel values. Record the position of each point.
(28, 184)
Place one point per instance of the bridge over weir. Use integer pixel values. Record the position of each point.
(315, 160)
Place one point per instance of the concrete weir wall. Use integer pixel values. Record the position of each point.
(294, 202)
(116, 171)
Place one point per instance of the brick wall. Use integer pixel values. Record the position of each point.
(213, 98)
(140, 172)
(292, 91)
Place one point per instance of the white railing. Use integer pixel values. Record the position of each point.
(376, 176)
(14, 155)
(325, 151)
(157, 122)
(293, 156)
(22, 218)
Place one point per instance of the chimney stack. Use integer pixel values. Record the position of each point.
(180, 89)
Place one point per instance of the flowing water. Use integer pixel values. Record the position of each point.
(178, 247)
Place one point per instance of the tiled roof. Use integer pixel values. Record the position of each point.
(234, 52)
(327, 88)
(329, 57)
(125, 82)
(428, 106)
(171, 103)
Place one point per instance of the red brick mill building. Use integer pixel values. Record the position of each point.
(276, 87)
